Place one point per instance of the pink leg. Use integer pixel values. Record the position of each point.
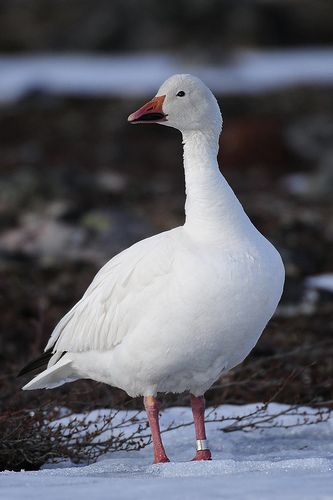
(152, 408)
(198, 409)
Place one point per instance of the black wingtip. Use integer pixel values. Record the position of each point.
(40, 362)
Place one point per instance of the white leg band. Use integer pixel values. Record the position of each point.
(202, 444)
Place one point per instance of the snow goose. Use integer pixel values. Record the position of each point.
(175, 311)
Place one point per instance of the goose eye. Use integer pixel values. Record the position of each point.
(181, 93)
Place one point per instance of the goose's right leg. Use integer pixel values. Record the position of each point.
(152, 408)
(198, 410)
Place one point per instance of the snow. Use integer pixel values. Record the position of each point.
(320, 282)
(298, 183)
(141, 74)
(293, 464)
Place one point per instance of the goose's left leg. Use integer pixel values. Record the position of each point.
(198, 410)
(152, 408)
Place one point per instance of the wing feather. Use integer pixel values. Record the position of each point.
(98, 320)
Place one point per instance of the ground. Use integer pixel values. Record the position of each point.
(294, 463)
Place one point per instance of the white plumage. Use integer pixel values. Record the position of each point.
(173, 312)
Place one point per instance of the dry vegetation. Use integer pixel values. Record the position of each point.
(49, 433)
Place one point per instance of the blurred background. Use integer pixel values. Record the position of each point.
(78, 184)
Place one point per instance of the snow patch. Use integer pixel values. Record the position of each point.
(246, 72)
(320, 282)
(293, 464)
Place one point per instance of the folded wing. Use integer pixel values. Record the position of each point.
(100, 320)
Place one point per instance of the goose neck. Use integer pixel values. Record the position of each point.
(211, 205)
(200, 147)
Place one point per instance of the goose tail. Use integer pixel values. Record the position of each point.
(57, 374)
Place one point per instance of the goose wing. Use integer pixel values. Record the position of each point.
(113, 301)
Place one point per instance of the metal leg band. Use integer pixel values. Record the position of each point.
(202, 444)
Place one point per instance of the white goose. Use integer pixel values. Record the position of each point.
(175, 311)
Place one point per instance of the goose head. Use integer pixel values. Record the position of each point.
(182, 102)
